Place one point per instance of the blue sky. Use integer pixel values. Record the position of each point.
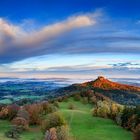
(70, 39)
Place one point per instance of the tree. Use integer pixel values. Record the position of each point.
(4, 113)
(71, 106)
(34, 110)
(21, 122)
(22, 113)
(63, 132)
(137, 133)
(51, 134)
(58, 133)
(126, 114)
(49, 108)
(77, 97)
(12, 111)
(14, 132)
(53, 120)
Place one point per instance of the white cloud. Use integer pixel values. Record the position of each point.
(14, 39)
(22, 37)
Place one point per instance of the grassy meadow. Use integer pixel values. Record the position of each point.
(83, 126)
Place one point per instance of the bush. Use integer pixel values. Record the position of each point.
(59, 133)
(118, 119)
(63, 133)
(35, 111)
(12, 111)
(85, 100)
(51, 134)
(14, 132)
(77, 97)
(22, 113)
(71, 106)
(107, 109)
(56, 104)
(4, 113)
(9, 112)
(137, 133)
(48, 108)
(60, 99)
(21, 122)
(93, 100)
(65, 99)
(53, 120)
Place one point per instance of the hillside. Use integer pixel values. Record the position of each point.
(120, 93)
(82, 125)
(106, 84)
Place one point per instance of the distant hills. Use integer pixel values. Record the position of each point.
(120, 93)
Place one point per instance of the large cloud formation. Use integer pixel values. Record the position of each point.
(81, 34)
(16, 43)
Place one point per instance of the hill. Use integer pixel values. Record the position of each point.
(104, 88)
(106, 84)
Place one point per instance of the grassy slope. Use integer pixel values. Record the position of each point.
(82, 125)
(4, 126)
(32, 134)
(85, 127)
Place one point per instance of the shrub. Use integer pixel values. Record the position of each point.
(59, 133)
(71, 106)
(1, 106)
(48, 108)
(137, 133)
(53, 120)
(4, 113)
(12, 111)
(65, 99)
(126, 114)
(93, 100)
(14, 132)
(77, 97)
(21, 122)
(63, 133)
(51, 134)
(85, 100)
(118, 119)
(9, 112)
(35, 111)
(107, 109)
(22, 113)
(60, 99)
(56, 104)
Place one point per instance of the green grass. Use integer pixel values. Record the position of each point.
(33, 134)
(83, 126)
(4, 127)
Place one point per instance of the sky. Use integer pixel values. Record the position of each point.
(77, 39)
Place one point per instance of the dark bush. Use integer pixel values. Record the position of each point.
(137, 133)
(71, 106)
(53, 120)
(85, 100)
(21, 122)
(14, 132)
(56, 104)
(77, 97)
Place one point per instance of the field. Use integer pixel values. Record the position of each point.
(85, 127)
(82, 125)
